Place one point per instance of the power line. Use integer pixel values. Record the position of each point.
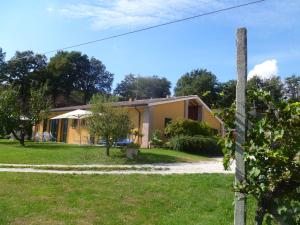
(156, 26)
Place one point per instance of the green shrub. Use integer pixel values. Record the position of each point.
(188, 127)
(157, 138)
(196, 144)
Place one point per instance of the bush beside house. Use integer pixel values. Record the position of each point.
(189, 127)
(196, 144)
(193, 137)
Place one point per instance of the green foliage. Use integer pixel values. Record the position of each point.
(196, 144)
(226, 94)
(157, 138)
(143, 87)
(272, 150)
(292, 88)
(188, 127)
(108, 122)
(74, 71)
(198, 82)
(14, 118)
(273, 85)
(9, 111)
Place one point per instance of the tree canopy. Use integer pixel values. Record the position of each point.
(292, 88)
(143, 87)
(73, 71)
(199, 82)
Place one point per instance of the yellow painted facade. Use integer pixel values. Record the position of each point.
(163, 112)
(145, 119)
(211, 120)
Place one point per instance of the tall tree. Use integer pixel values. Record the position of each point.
(21, 71)
(75, 72)
(227, 94)
(142, 87)
(96, 80)
(66, 69)
(199, 82)
(273, 85)
(292, 88)
(2, 64)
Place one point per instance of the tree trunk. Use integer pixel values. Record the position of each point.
(259, 214)
(22, 138)
(107, 150)
(15, 135)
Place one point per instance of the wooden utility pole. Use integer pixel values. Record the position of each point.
(241, 124)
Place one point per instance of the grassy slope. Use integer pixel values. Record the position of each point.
(42, 153)
(115, 199)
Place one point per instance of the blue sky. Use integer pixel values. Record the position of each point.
(207, 42)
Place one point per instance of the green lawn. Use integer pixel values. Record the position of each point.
(37, 199)
(52, 153)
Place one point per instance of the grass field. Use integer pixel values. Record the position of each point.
(44, 199)
(52, 153)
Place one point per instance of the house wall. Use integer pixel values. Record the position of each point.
(151, 118)
(73, 133)
(211, 120)
(174, 110)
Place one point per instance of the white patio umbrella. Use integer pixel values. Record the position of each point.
(76, 114)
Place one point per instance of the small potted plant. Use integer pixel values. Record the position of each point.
(132, 150)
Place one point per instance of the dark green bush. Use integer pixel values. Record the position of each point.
(188, 127)
(196, 144)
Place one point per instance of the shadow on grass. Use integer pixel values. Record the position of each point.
(155, 158)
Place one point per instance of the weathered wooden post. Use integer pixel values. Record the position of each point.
(241, 124)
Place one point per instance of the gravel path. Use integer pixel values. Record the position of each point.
(215, 166)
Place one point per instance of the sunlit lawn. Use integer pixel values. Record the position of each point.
(39, 199)
(52, 153)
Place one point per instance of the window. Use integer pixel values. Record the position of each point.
(167, 121)
(74, 123)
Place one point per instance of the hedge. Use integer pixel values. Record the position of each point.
(196, 144)
(189, 127)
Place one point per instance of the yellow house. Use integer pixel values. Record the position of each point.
(146, 115)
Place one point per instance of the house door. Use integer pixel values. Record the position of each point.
(54, 130)
(64, 130)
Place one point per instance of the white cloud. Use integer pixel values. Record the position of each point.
(264, 70)
(105, 14)
(123, 13)
(50, 9)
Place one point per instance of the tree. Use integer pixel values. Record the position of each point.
(20, 72)
(143, 87)
(227, 94)
(66, 69)
(74, 72)
(199, 82)
(292, 88)
(272, 150)
(2, 64)
(96, 80)
(107, 121)
(273, 84)
(14, 119)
